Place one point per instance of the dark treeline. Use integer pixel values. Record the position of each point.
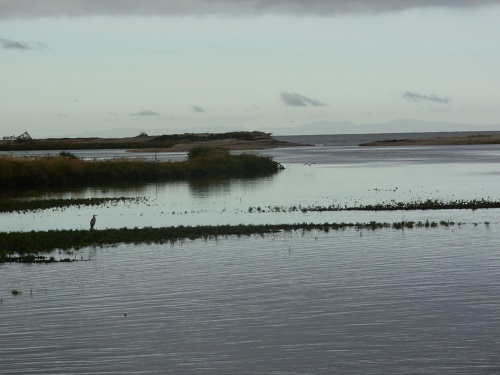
(65, 170)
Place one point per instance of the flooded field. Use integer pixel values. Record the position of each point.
(415, 301)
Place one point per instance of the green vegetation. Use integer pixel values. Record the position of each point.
(34, 247)
(67, 171)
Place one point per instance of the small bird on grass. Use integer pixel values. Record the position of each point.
(92, 222)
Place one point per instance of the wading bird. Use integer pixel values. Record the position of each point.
(92, 222)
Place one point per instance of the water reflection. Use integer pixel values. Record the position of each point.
(204, 188)
(333, 180)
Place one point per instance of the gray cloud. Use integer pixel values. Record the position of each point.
(416, 97)
(42, 8)
(293, 99)
(21, 46)
(146, 112)
(198, 109)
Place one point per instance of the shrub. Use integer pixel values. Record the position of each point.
(204, 152)
(66, 154)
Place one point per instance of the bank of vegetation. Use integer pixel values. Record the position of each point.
(67, 170)
(37, 246)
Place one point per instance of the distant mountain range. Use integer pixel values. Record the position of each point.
(312, 128)
(396, 126)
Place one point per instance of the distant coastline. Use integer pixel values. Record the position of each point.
(245, 140)
(471, 139)
(144, 143)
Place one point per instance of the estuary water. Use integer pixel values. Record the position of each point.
(413, 301)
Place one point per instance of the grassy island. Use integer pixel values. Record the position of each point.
(67, 170)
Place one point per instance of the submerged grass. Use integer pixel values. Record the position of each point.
(32, 247)
(43, 204)
(429, 204)
(66, 171)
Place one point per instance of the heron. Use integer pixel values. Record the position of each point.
(92, 222)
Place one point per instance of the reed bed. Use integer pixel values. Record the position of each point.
(59, 171)
(36, 246)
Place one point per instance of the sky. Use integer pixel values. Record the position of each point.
(73, 66)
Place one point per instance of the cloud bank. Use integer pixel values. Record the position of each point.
(293, 99)
(21, 46)
(48, 8)
(145, 113)
(417, 98)
(198, 109)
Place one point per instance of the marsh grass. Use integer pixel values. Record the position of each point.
(34, 247)
(68, 171)
(473, 204)
(43, 204)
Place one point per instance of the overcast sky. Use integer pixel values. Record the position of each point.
(72, 66)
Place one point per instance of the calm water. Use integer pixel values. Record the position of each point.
(420, 301)
(417, 302)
